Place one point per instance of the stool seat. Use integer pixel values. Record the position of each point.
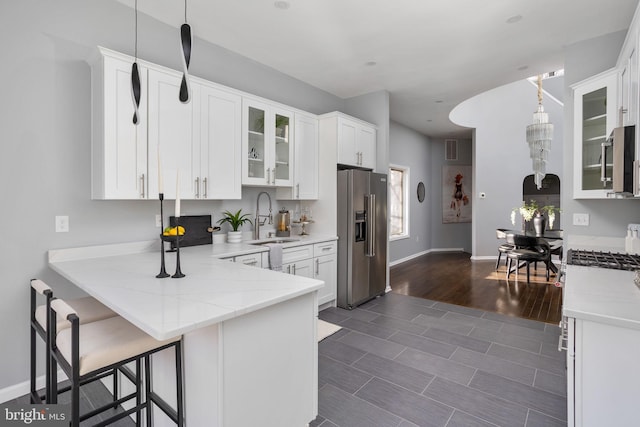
(89, 310)
(108, 341)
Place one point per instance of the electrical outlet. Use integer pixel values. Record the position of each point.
(581, 219)
(158, 220)
(62, 224)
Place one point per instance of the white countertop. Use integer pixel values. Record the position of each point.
(601, 294)
(123, 278)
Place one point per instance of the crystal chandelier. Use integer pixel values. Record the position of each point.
(539, 135)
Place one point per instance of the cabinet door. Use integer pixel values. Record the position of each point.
(171, 134)
(120, 148)
(306, 158)
(254, 260)
(256, 158)
(367, 147)
(347, 134)
(282, 164)
(595, 117)
(219, 175)
(325, 268)
(302, 268)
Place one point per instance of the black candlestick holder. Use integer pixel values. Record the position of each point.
(163, 273)
(178, 274)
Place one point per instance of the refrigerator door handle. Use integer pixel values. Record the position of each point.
(371, 225)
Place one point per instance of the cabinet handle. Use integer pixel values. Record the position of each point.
(563, 339)
(250, 261)
(294, 269)
(317, 266)
(297, 191)
(268, 175)
(197, 188)
(142, 186)
(288, 269)
(273, 176)
(204, 184)
(603, 163)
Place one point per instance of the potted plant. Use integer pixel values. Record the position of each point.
(531, 211)
(236, 220)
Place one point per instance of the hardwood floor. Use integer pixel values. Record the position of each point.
(453, 278)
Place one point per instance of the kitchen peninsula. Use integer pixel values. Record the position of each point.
(250, 345)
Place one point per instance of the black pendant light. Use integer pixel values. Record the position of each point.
(185, 44)
(135, 75)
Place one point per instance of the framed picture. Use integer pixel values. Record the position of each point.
(456, 194)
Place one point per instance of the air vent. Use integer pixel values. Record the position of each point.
(451, 149)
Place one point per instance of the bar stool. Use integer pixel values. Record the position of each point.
(86, 351)
(90, 310)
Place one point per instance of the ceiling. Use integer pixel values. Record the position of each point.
(429, 55)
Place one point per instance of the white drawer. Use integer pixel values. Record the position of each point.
(254, 260)
(325, 248)
(297, 253)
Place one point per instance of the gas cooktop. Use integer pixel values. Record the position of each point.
(613, 260)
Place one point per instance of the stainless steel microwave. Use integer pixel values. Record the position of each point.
(618, 164)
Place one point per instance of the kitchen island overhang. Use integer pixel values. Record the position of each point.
(250, 339)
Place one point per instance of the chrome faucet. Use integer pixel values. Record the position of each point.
(257, 223)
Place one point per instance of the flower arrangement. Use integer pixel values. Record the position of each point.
(531, 209)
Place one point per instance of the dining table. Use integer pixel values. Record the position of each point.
(553, 237)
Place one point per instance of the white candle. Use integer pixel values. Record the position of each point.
(160, 184)
(177, 214)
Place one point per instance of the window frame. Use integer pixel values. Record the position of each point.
(405, 202)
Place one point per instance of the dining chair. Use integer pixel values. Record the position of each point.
(528, 249)
(504, 248)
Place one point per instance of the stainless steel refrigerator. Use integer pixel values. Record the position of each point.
(362, 236)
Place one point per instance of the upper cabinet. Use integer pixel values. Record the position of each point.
(201, 139)
(305, 165)
(356, 143)
(354, 139)
(267, 148)
(595, 116)
(119, 151)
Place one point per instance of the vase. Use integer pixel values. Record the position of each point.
(234, 237)
(539, 223)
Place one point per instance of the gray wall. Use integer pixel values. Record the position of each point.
(607, 217)
(411, 149)
(46, 138)
(449, 236)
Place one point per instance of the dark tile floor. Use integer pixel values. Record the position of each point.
(406, 361)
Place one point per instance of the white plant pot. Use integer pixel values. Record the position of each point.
(234, 237)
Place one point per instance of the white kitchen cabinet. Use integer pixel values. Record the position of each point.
(220, 175)
(302, 268)
(254, 260)
(267, 148)
(119, 148)
(325, 268)
(171, 126)
(201, 139)
(595, 116)
(305, 166)
(602, 374)
(355, 139)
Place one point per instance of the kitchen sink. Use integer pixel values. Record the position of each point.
(275, 240)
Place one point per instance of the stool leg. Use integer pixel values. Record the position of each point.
(147, 388)
(138, 391)
(115, 384)
(32, 366)
(528, 264)
(498, 261)
(179, 384)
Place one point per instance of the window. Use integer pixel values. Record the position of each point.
(398, 202)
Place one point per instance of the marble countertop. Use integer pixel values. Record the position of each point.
(226, 250)
(122, 276)
(601, 294)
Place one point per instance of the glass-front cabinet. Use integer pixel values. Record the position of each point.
(267, 145)
(595, 106)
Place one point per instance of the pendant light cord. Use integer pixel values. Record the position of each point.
(135, 49)
(185, 11)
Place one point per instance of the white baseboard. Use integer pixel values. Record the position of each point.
(20, 389)
(484, 258)
(416, 255)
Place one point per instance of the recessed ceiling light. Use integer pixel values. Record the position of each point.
(282, 5)
(522, 68)
(429, 120)
(439, 101)
(370, 63)
(514, 19)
